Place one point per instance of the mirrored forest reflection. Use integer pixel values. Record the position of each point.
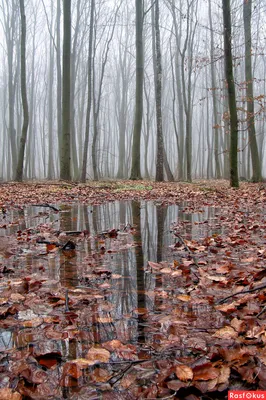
(114, 243)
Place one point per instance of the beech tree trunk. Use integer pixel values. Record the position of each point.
(65, 173)
(89, 100)
(19, 171)
(135, 168)
(229, 75)
(247, 10)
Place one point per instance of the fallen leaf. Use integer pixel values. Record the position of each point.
(205, 372)
(184, 373)
(226, 333)
(8, 394)
(97, 354)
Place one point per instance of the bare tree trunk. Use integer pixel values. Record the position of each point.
(19, 171)
(59, 79)
(89, 101)
(247, 10)
(66, 124)
(231, 94)
(10, 22)
(135, 168)
(214, 101)
(50, 171)
(158, 96)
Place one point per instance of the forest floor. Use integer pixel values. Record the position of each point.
(203, 332)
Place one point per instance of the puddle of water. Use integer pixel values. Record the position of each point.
(120, 239)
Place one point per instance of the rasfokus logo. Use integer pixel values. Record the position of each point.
(246, 394)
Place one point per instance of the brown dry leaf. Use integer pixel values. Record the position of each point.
(187, 263)
(34, 323)
(227, 308)
(100, 375)
(166, 271)
(206, 386)
(73, 369)
(216, 278)
(238, 325)
(105, 320)
(184, 373)
(83, 363)
(112, 345)
(183, 297)
(176, 385)
(127, 380)
(17, 298)
(8, 394)
(154, 265)
(176, 273)
(205, 372)
(226, 333)
(96, 354)
(224, 374)
(116, 276)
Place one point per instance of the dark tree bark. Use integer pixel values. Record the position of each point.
(214, 101)
(89, 101)
(229, 75)
(19, 171)
(158, 96)
(247, 10)
(59, 78)
(135, 168)
(65, 173)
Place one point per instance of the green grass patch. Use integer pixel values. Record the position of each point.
(121, 188)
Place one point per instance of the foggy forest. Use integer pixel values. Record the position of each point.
(108, 89)
(132, 199)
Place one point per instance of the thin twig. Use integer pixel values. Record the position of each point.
(242, 292)
(46, 205)
(190, 253)
(187, 248)
(261, 312)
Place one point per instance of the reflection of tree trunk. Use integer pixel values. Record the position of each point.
(68, 269)
(161, 214)
(139, 263)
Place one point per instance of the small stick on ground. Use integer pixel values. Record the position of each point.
(242, 292)
(46, 205)
(187, 248)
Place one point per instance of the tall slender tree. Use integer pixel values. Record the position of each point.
(216, 128)
(66, 124)
(135, 168)
(247, 12)
(89, 100)
(229, 75)
(19, 170)
(158, 95)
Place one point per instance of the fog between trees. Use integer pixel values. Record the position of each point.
(135, 89)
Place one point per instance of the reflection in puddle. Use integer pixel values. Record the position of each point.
(114, 243)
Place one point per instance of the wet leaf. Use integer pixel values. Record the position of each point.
(128, 380)
(97, 354)
(176, 385)
(184, 373)
(9, 394)
(205, 372)
(100, 375)
(226, 333)
(34, 323)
